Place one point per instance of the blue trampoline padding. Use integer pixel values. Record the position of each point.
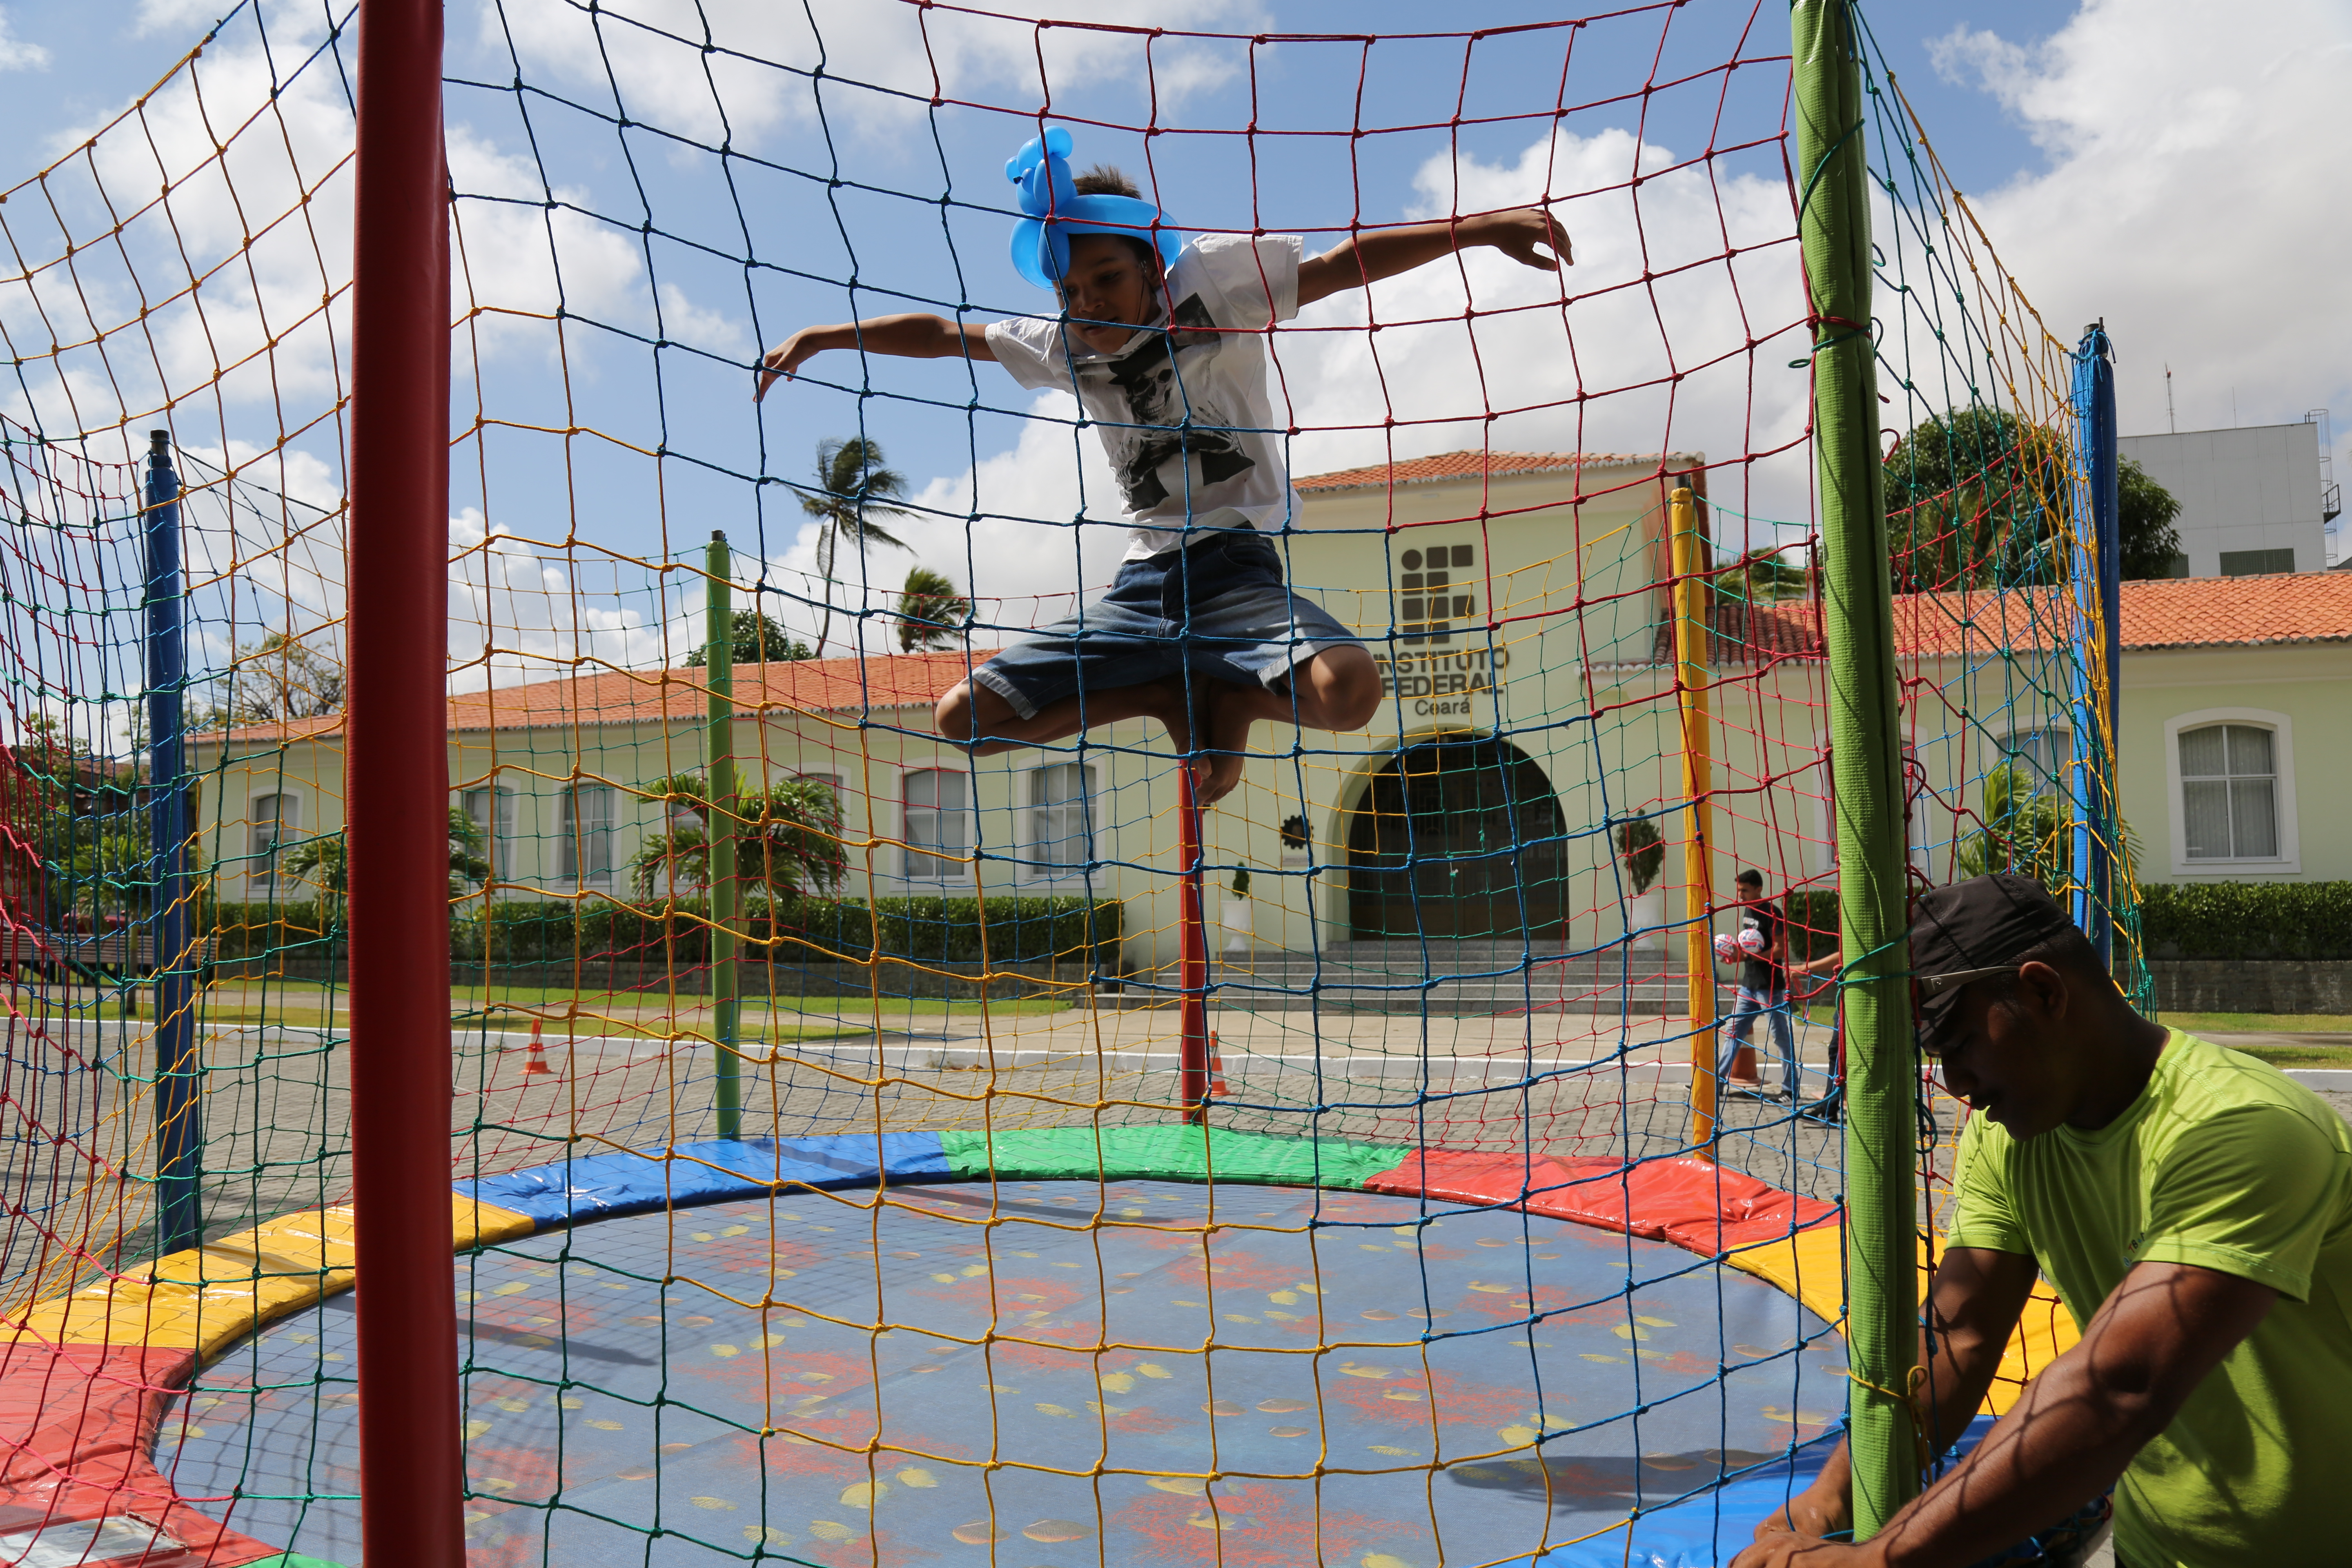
(604, 1186)
(1693, 1533)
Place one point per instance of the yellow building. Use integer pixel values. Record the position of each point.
(1518, 605)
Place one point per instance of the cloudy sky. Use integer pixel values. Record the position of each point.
(2130, 160)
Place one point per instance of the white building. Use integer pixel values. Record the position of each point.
(2252, 501)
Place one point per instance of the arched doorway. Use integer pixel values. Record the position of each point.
(1458, 837)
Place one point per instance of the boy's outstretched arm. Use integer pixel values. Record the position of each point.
(915, 336)
(1385, 252)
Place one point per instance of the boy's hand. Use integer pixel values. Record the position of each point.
(789, 355)
(1518, 233)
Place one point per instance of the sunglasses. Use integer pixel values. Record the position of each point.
(1926, 987)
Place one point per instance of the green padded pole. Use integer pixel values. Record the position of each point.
(726, 887)
(1865, 763)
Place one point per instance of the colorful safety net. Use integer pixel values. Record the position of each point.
(863, 1151)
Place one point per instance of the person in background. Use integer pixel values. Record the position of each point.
(1761, 949)
(1828, 1109)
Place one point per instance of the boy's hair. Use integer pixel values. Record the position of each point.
(1751, 878)
(1105, 180)
(1110, 180)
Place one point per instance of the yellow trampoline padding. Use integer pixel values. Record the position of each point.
(208, 1298)
(1811, 1266)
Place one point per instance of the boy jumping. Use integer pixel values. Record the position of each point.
(1164, 347)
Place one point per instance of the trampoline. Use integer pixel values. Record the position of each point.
(1381, 1374)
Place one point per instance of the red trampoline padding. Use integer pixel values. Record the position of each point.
(1690, 1202)
(89, 1414)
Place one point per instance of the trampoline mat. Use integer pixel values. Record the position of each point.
(605, 1405)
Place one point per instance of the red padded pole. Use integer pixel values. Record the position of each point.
(412, 1464)
(1191, 962)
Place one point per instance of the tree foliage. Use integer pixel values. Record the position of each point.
(2025, 830)
(931, 614)
(787, 835)
(2143, 514)
(759, 639)
(276, 680)
(854, 491)
(323, 863)
(1974, 499)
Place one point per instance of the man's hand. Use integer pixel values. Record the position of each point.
(1819, 1509)
(1785, 1551)
(1518, 233)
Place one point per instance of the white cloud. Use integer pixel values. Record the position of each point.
(2189, 200)
(1648, 352)
(16, 54)
(883, 63)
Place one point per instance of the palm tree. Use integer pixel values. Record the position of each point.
(930, 611)
(853, 490)
(786, 835)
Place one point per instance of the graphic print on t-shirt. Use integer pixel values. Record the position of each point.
(1183, 408)
(1161, 377)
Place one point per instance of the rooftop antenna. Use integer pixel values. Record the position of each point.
(2171, 423)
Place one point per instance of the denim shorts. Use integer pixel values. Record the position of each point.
(1218, 607)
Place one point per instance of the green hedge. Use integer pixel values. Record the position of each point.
(1811, 914)
(290, 930)
(928, 930)
(1018, 931)
(2247, 920)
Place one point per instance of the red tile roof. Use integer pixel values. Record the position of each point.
(2169, 612)
(641, 695)
(2235, 612)
(1492, 465)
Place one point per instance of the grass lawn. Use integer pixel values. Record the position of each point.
(637, 1014)
(2300, 1055)
(2286, 1054)
(2261, 1022)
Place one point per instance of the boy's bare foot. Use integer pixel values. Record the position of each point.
(1231, 712)
(1166, 700)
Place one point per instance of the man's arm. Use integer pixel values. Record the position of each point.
(2162, 1331)
(1384, 253)
(913, 336)
(1974, 1306)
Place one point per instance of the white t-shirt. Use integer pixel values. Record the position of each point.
(1184, 414)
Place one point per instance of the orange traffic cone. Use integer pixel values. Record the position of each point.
(538, 1062)
(1216, 1071)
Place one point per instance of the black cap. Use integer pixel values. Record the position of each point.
(1982, 923)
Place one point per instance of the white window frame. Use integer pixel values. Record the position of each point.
(2288, 861)
(262, 871)
(2061, 777)
(497, 833)
(571, 841)
(1048, 857)
(950, 865)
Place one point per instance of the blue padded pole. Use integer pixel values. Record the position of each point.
(179, 1127)
(2099, 588)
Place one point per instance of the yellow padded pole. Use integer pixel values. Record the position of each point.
(1690, 568)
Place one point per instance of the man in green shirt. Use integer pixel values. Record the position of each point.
(2192, 1207)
